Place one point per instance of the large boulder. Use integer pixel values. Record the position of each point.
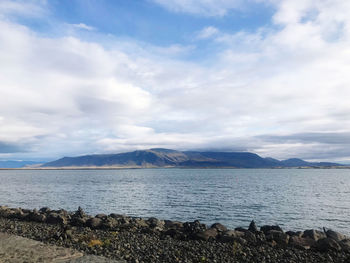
(279, 237)
(210, 233)
(55, 218)
(327, 244)
(173, 224)
(94, 222)
(252, 227)
(219, 227)
(231, 235)
(36, 216)
(345, 245)
(301, 242)
(266, 229)
(335, 235)
(314, 234)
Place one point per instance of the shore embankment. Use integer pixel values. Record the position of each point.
(152, 240)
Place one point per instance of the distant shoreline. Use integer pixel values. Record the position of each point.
(203, 168)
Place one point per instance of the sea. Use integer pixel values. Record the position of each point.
(295, 199)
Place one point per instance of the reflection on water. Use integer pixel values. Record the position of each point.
(295, 199)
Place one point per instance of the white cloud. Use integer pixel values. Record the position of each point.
(201, 7)
(31, 8)
(208, 32)
(83, 26)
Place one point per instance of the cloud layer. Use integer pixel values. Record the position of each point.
(281, 91)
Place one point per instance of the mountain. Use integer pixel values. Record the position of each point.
(17, 164)
(158, 157)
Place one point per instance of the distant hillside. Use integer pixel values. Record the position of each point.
(171, 158)
(17, 164)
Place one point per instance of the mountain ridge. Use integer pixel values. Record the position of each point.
(159, 157)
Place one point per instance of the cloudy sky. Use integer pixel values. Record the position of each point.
(101, 76)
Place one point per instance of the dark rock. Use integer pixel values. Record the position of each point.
(278, 236)
(267, 229)
(54, 218)
(109, 223)
(252, 227)
(219, 227)
(335, 235)
(231, 235)
(210, 233)
(101, 216)
(250, 237)
(45, 210)
(37, 217)
(302, 242)
(327, 244)
(194, 227)
(94, 222)
(345, 245)
(314, 234)
(173, 224)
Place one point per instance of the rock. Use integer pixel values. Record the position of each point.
(293, 233)
(241, 229)
(267, 229)
(54, 218)
(219, 227)
(194, 227)
(45, 210)
(231, 235)
(278, 236)
(139, 223)
(314, 234)
(210, 233)
(252, 227)
(155, 223)
(37, 217)
(327, 244)
(335, 235)
(345, 245)
(101, 216)
(249, 236)
(94, 222)
(173, 224)
(302, 242)
(109, 223)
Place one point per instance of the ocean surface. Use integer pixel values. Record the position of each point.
(296, 199)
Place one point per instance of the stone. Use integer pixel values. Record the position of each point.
(45, 210)
(101, 216)
(154, 222)
(249, 236)
(301, 242)
(278, 236)
(314, 234)
(173, 224)
(252, 227)
(94, 222)
(219, 227)
(335, 235)
(327, 244)
(109, 223)
(267, 228)
(194, 227)
(345, 245)
(54, 218)
(231, 235)
(210, 233)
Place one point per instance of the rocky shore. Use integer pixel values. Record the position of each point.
(152, 240)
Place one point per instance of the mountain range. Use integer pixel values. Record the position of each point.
(158, 157)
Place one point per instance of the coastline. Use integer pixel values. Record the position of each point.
(152, 240)
(166, 167)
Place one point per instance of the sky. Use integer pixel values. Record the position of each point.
(107, 76)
